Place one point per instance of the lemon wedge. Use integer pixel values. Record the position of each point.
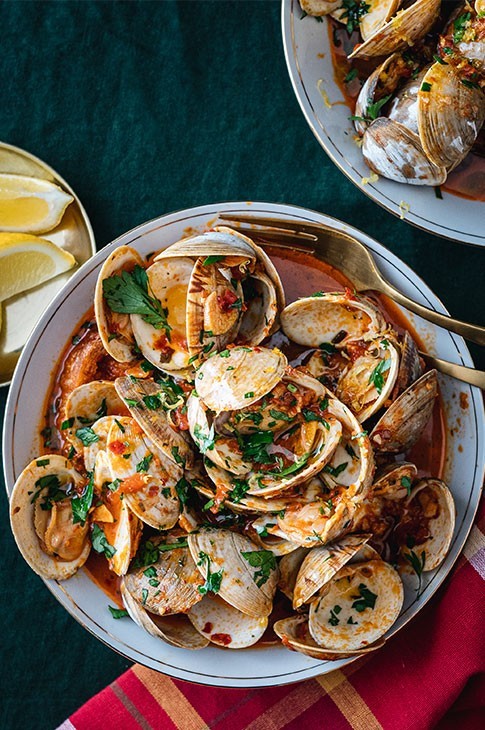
(27, 260)
(30, 204)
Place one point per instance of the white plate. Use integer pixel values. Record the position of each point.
(305, 41)
(88, 604)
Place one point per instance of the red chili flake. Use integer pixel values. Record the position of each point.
(224, 639)
(117, 447)
(207, 628)
(349, 294)
(226, 300)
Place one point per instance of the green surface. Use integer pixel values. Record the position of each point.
(145, 108)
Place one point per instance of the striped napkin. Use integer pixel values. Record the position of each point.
(430, 675)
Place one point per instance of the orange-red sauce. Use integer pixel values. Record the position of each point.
(468, 179)
(301, 274)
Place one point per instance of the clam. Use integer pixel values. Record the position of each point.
(224, 625)
(331, 320)
(295, 634)
(428, 522)
(382, 82)
(238, 377)
(116, 532)
(321, 564)
(151, 404)
(43, 523)
(115, 328)
(403, 422)
(410, 365)
(96, 445)
(319, 7)
(167, 580)
(85, 405)
(229, 247)
(404, 29)
(394, 481)
(316, 523)
(404, 106)
(357, 607)
(378, 13)
(175, 629)
(232, 565)
(264, 531)
(147, 477)
(450, 115)
(289, 567)
(393, 151)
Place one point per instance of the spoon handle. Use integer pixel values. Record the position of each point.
(460, 372)
(472, 332)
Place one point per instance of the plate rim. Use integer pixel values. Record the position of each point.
(208, 212)
(369, 190)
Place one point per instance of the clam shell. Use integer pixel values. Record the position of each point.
(258, 321)
(101, 428)
(356, 387)
(120, 348)
(404, 29)
(312, 321)
(22, 518)
(294, 634)
(389, 481)
(168, 282)
(321, 564)
(344, 592)
(403, 108)
(315, 523)
(319, 7)
(238, 583)
(154, 422)
(403, 422)
(177, 577)
(209, 328)
(379, 12)
(89, 402)
(393, 151)
(275, 541)
(410, 367)
(122, 532)
(255, 372)
(224, 625)
(235, 248)
(441, 526)
(450, 115)
(175, 630)
(368, 91)
(289, 566)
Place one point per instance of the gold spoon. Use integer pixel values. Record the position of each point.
(354, 260)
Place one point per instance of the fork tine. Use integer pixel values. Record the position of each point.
(291, 228)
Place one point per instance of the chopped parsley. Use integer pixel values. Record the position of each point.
(82, 504)
(366, 599)
(128, 293)
(68, 423)
(265, 561)
(459, 27)
(376, 377)
(212, 580)
(334, 471)
(100, 543)
(417, 564)
(406, 482)
(209, 260)
(144, 463)
(152, 402)
(240, 487)
(334, 620)
(354, 10)
(425, 86)
(87, 435)
(117, 612)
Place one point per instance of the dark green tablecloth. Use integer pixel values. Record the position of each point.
(147, 108)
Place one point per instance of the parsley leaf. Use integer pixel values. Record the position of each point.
(144, 463)
(117, 612)
(127, 293)
(82, 504)
(417, 564)
(100, 543)
(376, 376)
(265, 561)
(87, 435)
(367, 599)
(212, 580)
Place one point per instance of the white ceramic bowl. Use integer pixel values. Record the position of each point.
(254, 667)
(308, 57)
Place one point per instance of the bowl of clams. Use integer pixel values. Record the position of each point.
(229, 465)
(394, 93)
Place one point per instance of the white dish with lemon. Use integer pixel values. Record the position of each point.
(44, 235)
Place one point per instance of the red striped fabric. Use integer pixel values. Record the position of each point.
(430, 675)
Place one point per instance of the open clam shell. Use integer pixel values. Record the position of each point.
(332, 318)
(228, 247)
(450, 115)
(316, 523)
(404, 29)
(264, 531)
(289, 567)
(239, 377)
(169, 580)
(224, 625)
(368, 381)
(429, 511)
(394, 481)
(121, 531)
(145, 401)
(87, 404)
(368, 92)
(378, 13)
(294, 634)
(243, 585)
(114, 328)
(357, 607)
(393, 151)
(43, 535)
(322, 563)
(410, 365)
(166, 348)
(403, 107)
(175, 630)
(319, 7)
(261, 300)
(403, 422)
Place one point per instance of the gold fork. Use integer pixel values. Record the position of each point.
(351, 257)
